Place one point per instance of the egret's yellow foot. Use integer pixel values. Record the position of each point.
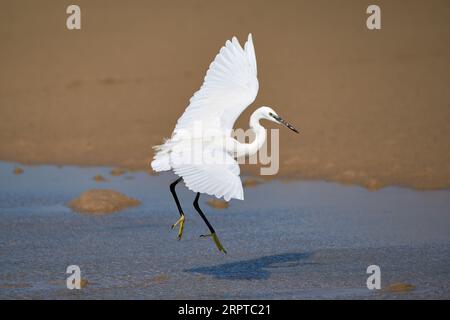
(216, 241)
(181, 227)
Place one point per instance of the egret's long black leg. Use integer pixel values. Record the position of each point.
(180, 210)
(174, 194)
(210, 227)
(200, 212)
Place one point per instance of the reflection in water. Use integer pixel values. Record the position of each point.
(254, 269)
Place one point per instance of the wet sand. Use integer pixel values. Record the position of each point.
(309, 240)
(373, 107)
(101, 201)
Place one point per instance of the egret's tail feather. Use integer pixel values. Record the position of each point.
(161, 164)
(161, 160)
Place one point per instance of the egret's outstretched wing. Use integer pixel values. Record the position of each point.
(215, 173)
(230, 86)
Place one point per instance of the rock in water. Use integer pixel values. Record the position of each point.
(117, 172)
(18, 170)
(218, 204)
(251, 182)
(102, 201)
(99, 178)
(399, 287)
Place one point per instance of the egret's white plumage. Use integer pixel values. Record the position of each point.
(230, 86)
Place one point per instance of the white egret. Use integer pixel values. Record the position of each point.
(230, 86)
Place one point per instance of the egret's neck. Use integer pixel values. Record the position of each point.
(260, 133)
(239, 149)
(254, 121)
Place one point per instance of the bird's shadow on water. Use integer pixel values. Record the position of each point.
(254, 269)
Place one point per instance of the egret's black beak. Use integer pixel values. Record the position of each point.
(282, 121)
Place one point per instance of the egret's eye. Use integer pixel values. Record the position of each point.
(274, 116)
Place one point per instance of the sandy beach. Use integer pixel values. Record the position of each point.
(372, 106)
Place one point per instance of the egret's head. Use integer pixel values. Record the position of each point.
(271, 115)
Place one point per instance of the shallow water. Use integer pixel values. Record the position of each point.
(286, 240)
